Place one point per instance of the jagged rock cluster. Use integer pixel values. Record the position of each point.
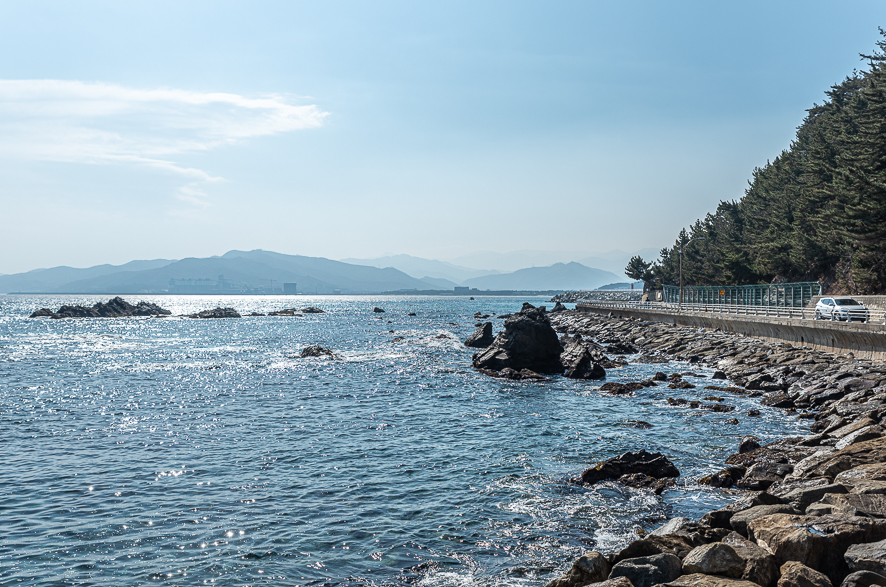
(114, 308)
(216, 313)
(529, 346)
(814, 514)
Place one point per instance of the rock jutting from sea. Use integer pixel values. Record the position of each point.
(529, 347)
(813, 510)
(113, 308)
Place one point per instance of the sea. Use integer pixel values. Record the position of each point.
(178, 451)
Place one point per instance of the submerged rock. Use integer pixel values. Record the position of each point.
(312, 310)
(482, 338)
(508, 373)
(378, 310)
(653, 464)
(315, 350)
(216, 313)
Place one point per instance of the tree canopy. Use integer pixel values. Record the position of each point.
(815, 212)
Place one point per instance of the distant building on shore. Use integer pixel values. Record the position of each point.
(202, 286)
(290, 289)
(464, 290)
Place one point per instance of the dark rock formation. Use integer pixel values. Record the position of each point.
(590, 568)
(378, 310)
(652, 464)
(863, 579)
(482, 338)
(312, 310)
(528, 341)
(579, 362)
(114, 308)
(648, 570)
(508, 373)
(285, 312)
(643, 481)
(315, 350)
(216, 313)
(558, 307)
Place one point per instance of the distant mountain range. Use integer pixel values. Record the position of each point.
(265, 272)
(614, 261)
(424, 268)
(233, 272)
(565, 276)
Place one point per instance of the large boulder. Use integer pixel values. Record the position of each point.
(863, 579)
(867, 557)
(653, 464)
(589, 568)
(528, 341)
(740, 520)
(762, 474)
(870, 452)
(794, 574)
(580, 362)
(702, 580)
(678, 545)
(818, 542)
(759, 565)
(481, 338)
(647, 571)
(714, 559)
(851, 504)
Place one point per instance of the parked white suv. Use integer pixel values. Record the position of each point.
(845, 309)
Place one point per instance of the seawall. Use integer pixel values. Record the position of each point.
(864, 341)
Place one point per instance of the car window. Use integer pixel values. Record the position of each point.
(829, 302)
(846, 302)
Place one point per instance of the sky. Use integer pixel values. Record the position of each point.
(144, 130)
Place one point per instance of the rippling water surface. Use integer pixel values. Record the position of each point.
(185, 452)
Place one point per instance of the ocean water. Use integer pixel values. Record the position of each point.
(206, 452)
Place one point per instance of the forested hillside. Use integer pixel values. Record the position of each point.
(816, 212)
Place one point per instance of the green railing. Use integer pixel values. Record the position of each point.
(780, 295)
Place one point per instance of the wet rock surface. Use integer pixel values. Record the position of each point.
(651, 464)
(315, 350)
(482, 338)
(113, 308)
(810, 510)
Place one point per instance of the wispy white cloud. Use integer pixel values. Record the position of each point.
(79, 122)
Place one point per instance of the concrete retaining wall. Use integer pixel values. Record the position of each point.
(865, 341)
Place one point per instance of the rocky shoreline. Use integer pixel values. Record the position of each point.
(813, 512)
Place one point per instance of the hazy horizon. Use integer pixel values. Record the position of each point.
(349, 130)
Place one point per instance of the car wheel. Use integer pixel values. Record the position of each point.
(833, 316)
(817, 315)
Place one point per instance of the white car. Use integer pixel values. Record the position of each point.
(845, 309)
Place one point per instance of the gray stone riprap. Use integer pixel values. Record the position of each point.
(812, 512)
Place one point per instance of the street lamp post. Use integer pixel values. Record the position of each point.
(698, 238)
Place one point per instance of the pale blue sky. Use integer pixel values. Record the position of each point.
(353, 129)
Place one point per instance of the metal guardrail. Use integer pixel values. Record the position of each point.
(866, 316)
